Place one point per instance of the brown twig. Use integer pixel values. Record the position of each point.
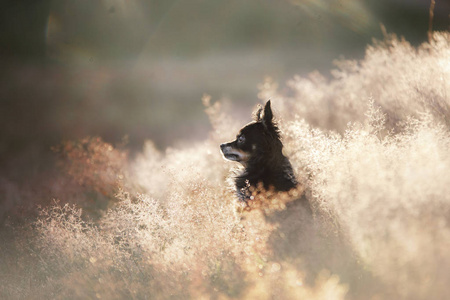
(430, 22)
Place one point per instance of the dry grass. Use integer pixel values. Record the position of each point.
(370, 148)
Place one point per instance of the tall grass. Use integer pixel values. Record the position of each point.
(370, 147)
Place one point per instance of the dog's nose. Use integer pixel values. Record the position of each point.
(222, 146)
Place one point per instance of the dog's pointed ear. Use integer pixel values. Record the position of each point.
(258, 114)
(268, 116)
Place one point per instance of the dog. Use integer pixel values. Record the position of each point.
(259, 149)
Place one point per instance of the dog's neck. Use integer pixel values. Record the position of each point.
(272, 172)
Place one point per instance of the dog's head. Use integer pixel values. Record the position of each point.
(255, 139)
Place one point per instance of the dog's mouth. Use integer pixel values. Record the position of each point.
(233, 154)
(232, 157)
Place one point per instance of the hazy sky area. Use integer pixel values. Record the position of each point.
(71, 31)
(135, 68)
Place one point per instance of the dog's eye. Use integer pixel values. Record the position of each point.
(241, 139)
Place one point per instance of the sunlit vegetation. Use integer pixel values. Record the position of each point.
(370, 220)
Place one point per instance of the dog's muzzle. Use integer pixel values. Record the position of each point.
(233, 154)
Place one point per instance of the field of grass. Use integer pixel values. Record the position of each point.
(370, 147)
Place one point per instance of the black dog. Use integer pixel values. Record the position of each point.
(258, 148)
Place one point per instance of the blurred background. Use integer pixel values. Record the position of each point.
(133, 70)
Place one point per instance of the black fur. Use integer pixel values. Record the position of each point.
(258, 148)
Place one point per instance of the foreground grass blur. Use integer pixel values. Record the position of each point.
(370, 148)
